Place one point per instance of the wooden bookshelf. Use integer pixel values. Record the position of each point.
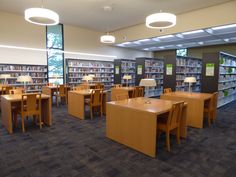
(124, 67)
(150, 68)
(37, 72)
(102, 70)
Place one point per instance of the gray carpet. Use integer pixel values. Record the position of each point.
(75, 148)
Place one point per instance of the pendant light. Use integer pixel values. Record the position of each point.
(41, 16)
(107, 38)
(161, 20)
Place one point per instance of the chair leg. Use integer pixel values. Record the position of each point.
(178, 135)
(168, 140)
(91, 112)
(23, 124)
(40, 122)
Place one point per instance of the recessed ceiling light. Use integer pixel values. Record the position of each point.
(156, 39)
(161, 47)
(223, 27)
(136, 42)
(200, 43)
(146, 49)
(144, 40)
(226, 40)
(179, 45)
(193, 32)
(126, 43)
(210, 31)
(179, 36)
(165, 37)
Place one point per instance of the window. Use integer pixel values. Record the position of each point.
(182, 52)
(55, 55)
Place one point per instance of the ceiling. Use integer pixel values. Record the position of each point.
(90, 13)
(210, 36)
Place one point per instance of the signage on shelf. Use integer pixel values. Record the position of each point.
(210, 67)
(139, 69)
(169, 69)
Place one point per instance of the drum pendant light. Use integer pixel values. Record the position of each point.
(161, 20)
(107, 38)
(41, 16)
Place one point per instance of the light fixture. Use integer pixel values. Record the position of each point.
(5, 76)
(107, 38)
(166, 36)
(41, 16)
(161, 20)
(147, 83)
(224, 27)
(193, 32)
(25, 79)
(127, 78)
(190, 80)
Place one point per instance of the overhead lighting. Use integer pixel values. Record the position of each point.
(144, 40)
(224, 27)
(156, 39)
(161, 20)
(108, 39)
(210, 31)
(165, 37)
(193, 32)
(136, 42)
(179, 45)
(226, 40)
(41, 16)
(200, 43)
(161, 47)
(179, 36)
(146, 49)
(126, 43)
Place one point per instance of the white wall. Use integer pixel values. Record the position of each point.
(15, 31)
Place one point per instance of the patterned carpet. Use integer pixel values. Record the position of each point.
(75, 148)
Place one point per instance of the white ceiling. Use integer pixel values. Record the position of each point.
(90, 13)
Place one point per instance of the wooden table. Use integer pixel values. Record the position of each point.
(195, 112)
(133, 122)
(7, 101)
(121, 90)
(76, 102)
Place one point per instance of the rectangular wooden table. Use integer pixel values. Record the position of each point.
(133, 122)
(76, 105)
(7, 101)
(195, 112)
(121, 90)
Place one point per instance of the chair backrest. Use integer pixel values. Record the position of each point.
(122, 97)
(175, 115)
(31, 103)
(61, 89)
(167, 90)
(138, 92)
(117, 85)
(80, 87)
(99, 86)
(6, 90)
(96, 97)
(16, 91)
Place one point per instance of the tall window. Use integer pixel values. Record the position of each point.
(55, 55)
(182, 52)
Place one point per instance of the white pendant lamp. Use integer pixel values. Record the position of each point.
(41, 16)
(161, 20)
(107, 39)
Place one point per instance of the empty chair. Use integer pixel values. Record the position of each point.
(122, 97)
(99, 86)
(6, 90)
(96, 101)
(61, 93)
(169, 122)
(167, 90)
(210, 108)
(16, 91)
(30, 106)
(80, 87)
(138, 92)
(117, 85)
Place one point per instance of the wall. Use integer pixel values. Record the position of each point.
(15, 31)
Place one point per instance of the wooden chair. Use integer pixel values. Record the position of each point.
(6, 90)
(96, 101)
(122, 97)
(210, 108)
(62, 93)
(30, 106)
(138, 92)
(99, 86)
(80, 87)
(117, 85)
(167, 90)
(16, 91)
(170, 122)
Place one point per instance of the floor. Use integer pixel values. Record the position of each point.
(75, 148)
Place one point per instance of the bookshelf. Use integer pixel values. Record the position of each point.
(150, 68)
(37, 72)
(188, 67)
(223, 79)
(102, 70)
(124, 67)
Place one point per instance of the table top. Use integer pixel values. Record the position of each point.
(152, 105)
(54, 87)
(17, 97)
(84, 92)
(192, 95)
